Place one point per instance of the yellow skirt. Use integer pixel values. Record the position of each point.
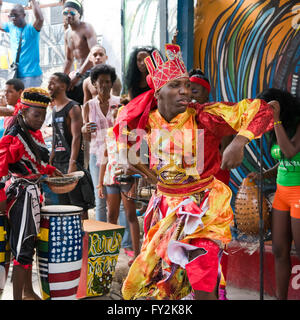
(153, 274)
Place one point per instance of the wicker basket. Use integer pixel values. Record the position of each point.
(247, 209)
(64, 184)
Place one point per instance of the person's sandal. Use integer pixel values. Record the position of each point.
(130, 262)
(128, 252)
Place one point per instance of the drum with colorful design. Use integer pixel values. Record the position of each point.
(101, 248)
(59, 251)
(4, 251)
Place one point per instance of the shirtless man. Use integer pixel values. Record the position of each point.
(98, 56)
(79, 39)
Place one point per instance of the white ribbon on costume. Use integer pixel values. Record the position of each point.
(193, 220)
(32, 194)
(182, 203)
(177, 252)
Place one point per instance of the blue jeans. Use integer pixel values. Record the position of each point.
(126, 241)
(32, 81)
(101, 213)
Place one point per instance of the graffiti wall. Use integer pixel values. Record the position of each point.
(248, 45)
(245, 46)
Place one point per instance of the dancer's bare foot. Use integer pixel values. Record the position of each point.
(30, 295)
(28, 292)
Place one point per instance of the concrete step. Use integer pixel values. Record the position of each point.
(243, 269)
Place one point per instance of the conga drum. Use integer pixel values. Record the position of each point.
(4, 251)
(101, 248)
(59, 251)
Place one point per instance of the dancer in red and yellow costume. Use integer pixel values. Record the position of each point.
(187, 222)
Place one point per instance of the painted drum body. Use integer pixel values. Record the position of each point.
(4, 251)
(101, 248)
(59, 251)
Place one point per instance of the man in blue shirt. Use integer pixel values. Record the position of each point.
(29, 70)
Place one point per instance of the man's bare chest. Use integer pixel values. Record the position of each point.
(76, 40)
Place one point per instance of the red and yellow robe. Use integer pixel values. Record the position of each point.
(190, 208)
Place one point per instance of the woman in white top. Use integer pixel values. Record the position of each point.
(97, 118)
(115, 191)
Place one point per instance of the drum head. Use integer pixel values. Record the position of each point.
(57, 210)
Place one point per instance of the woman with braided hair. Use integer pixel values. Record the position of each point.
(24, 159)
(137, 72)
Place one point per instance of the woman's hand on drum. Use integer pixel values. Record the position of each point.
(57, 173)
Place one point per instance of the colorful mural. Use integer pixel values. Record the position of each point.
(245, 46)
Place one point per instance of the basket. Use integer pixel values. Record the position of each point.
(64, 184)
(247, 209)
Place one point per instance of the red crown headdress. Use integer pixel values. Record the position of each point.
(136, 112)
(163, 72)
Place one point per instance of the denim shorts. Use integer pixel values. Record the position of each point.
(32, 81)
(118, 188)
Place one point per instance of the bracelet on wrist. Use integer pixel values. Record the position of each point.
(277, 122)
(72, 161)
(78, 75)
